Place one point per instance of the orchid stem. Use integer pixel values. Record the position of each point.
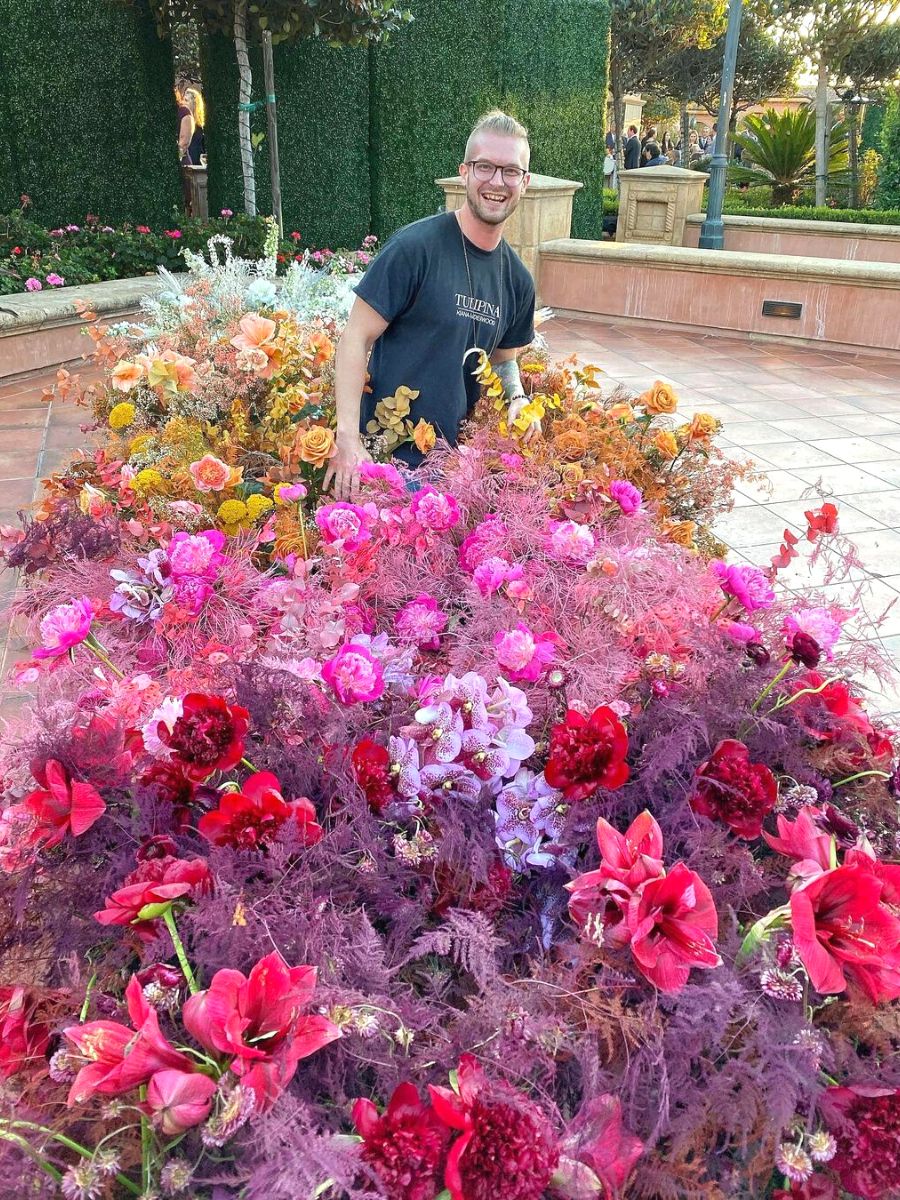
(169, 918)
(772, 683)
(861, 775)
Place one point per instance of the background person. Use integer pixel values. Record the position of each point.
(632, 149)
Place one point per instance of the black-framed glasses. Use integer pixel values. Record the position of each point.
(485, 171)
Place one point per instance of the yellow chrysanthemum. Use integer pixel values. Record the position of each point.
(121, 415)
(140, 443)
(232, 512)
(257, 505)
(147, 481)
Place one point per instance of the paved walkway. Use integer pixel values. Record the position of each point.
(803, 416)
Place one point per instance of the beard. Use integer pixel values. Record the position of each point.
(486, 211)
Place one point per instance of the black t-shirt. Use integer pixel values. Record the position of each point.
(420, 285)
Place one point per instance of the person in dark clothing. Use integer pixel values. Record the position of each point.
(441, 288)
(610, 142)
(653, 156)
(632, 149)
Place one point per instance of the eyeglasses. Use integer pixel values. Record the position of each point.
(485, 171)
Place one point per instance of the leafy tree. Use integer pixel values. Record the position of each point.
(782, 149)
(871, 61)
(888, 191)
(346, 22)
(684, 74)
(766, 66)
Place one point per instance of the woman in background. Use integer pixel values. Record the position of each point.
(185, 126)
(197, 146)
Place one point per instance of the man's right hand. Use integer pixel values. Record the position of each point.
(343, 467)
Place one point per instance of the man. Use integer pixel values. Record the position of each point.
(440, 287)
(653, 156)
(632, 149)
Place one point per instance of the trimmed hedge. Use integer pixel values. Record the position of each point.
(87, 111)
(323, 141)
(793, 212)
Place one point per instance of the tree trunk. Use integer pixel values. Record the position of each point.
(821, 130)
(853, 128)
(685, 136)
(618, 99)
(245, 84)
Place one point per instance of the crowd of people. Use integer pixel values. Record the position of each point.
(655, 148)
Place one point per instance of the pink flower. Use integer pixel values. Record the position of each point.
(434, 510)
(55, 280)
(178, 1100)
(292, 493)
(597, 1140)
(816, 623)
(740, 633)
(142, 228)
(33, 285)
(65, 627)
(512, 462)
(210, 474)
(226, 212)
(673, 925)
(344, 526)
(572, 542)
(805, 842)
(626, 495)
(486, 539)
(383, 473)
(173, 233)
(354, 675)
(197, 555)
(422, 621)
(522, 654)
(748, 585)
(491, 574)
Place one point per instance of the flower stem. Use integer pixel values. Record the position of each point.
(169, 918)
(715, 616)
(303, 530)
(146, 1144)
(87, 998)
(248, 764)
(860, 775)
(126, 1183)
(772, 683)
(94, 646)
(26, 1147)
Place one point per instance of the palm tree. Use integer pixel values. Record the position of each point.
(782, 150)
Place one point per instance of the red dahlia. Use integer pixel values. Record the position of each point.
(587, 753)
(372, 765)
(406, 1146)
(730, 788)
(250, 819)
(208, 736)
(865, 1120)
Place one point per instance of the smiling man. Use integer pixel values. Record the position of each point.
(440, 287)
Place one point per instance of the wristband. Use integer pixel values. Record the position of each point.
(508, 374)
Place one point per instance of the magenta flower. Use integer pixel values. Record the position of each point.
(626, 495)
(740, 632)
(354, 675)
(345, 526)
(434, 510)
(816, 623)
(33, 285)
(522, 654)
(173, 233)
(383, 473)
(198, 555)
(292, 493)
(178, 1100)
(55, 280)
(572, 542)
(748, 585)
(422, 621)
(64, 627)
(226, 212)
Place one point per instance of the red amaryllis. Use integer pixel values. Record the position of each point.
(119, 1057)
(804, 841)
(828, 709)
(251, 818)
(61, 804)
(587, 753)
(171, 785)
(598, 1152)
(865, 1121)
(406, 1146)
(506, 1145)
(372, 766)
(155, 881)
(208, 736)
(842, 930)
(673, 925)
(729, 788)
(178, 1100)
(627, 861)
(24, 1037)
(260, 1020)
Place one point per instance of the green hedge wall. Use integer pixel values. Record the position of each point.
(323, 139)
(88, 110)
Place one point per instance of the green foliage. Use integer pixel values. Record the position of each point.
(87, 114)
(872, 58)
(348, 22)
(766, 66)
(796, 212)
(870, 133)
(644, 32)
(887, 193)
(781, 147)
(323, 140)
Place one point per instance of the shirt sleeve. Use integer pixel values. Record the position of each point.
(392, 281)
(521, 330)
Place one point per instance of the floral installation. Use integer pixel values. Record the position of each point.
(478, 840)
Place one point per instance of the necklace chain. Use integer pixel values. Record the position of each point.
(475, 345)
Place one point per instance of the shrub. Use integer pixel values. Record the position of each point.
(796, 212)
(888, 191)
(782, 148)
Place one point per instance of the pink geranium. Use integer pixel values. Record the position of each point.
(748, 585)
(33, 285)
(65, 627)
(55, 280)
(345, 526)
(354, 675)
(571, 542)
(434, 510)
(626, 495)
(523, 654)
(422, 621)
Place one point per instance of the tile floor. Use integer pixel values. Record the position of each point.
(807, 419)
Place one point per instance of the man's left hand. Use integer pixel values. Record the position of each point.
(515, 408)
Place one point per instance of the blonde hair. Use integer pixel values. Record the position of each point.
(194, 100)
(496, 121)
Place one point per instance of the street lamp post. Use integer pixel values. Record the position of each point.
(712, 232)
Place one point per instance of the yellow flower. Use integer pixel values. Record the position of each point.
(424, 436)
(666, 443)
(140, 443)
(121, 416)
(533, 411)
(232, 512)
(148, 481)
(257, 505)
(683, 533)
(658, 399)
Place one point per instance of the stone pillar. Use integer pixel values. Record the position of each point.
(544, 213)
(654, 203)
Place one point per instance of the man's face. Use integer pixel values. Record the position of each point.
(494, 200)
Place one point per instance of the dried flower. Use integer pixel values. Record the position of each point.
(793, 1162)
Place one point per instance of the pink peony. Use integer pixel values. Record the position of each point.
(748, 585)
(33, 285)
(572, 542)
(210, 474)
(816, 623)
(626, 495)
(739, 632)
(485, 540)
(354, 674)
(422, 622)
(64, 627)
(434, 510)
(55, 280)
(493, 573)
(198, 555)
(345, 526)
(383, 473)
(522, 654)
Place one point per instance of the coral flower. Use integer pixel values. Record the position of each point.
(61, 805)
(406, 1146)
(354, 675)
(126, 375)
(210, 474)
(155, 881)
(178, 1100)
(673, 925)
(260, 1020)
(843, 929)
(729, 788)
(865, 1120)
(257, 338)
(64, 627)
(587, 753)
(208, 736)
(251, 818)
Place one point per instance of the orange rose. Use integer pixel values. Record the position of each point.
(703, 425)
(322, 346)
(658, 399)
(621, 412)
(572, 474)
(683, 533)
(424, 436)
(315, 445)
(666, 443)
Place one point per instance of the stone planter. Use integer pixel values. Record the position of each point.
(655, 202)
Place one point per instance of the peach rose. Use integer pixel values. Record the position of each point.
(666, 443)
(322, 346)
(572, 474)
(255, 332)
(255, 360)
(683, 533)
(658, 399)
(127, 375)
(703, 425)
(621, 411)
(315, 445)
(210, 474)
(424, 436)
